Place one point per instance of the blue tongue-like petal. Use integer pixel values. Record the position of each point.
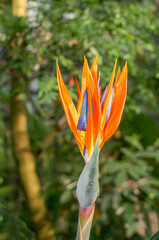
(109, 105)
(104, 95)
(82, 122)
(110, 102)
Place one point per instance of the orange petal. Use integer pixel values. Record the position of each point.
(120, 88)
(116, 81)
(69, 108)
(78, 89)
(95, 99)
(94, 71)
(84, 85)
(89, 139)
(96, 108)
(106, 102)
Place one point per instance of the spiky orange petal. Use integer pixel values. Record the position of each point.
(69, 108)
(78, 89)
(116, 80)
(120, 88)
(94, 71)
(84, 85)
(96, 108)
(89, 138)
(106, 101)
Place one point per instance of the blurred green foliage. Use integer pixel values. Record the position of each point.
(156, 236)
(129, 161)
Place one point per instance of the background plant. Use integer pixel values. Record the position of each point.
(68, 30)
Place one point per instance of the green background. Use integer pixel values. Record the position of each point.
(127, 207)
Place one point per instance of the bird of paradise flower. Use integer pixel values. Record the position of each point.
(92, 122)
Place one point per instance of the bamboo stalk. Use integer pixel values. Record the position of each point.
(19, 8)
(27, 169)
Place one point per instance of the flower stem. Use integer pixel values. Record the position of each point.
(85, 222)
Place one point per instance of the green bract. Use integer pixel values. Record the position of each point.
(88, 185)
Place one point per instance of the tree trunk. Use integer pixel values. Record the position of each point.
(26, 167)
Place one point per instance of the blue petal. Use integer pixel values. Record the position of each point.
(109, 105)
(110, 102)
(104, 95)
(82, 122)
(84, 151)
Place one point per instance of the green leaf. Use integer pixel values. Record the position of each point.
(129, 212)
(127, 152)
(6, 190)
(153, 181)
(121, 177)
(135, 172)
(134, 141)
(65, 196)
(146, 127)
(131, 229)
(150, 191)
(113, 166)
(65, 61)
